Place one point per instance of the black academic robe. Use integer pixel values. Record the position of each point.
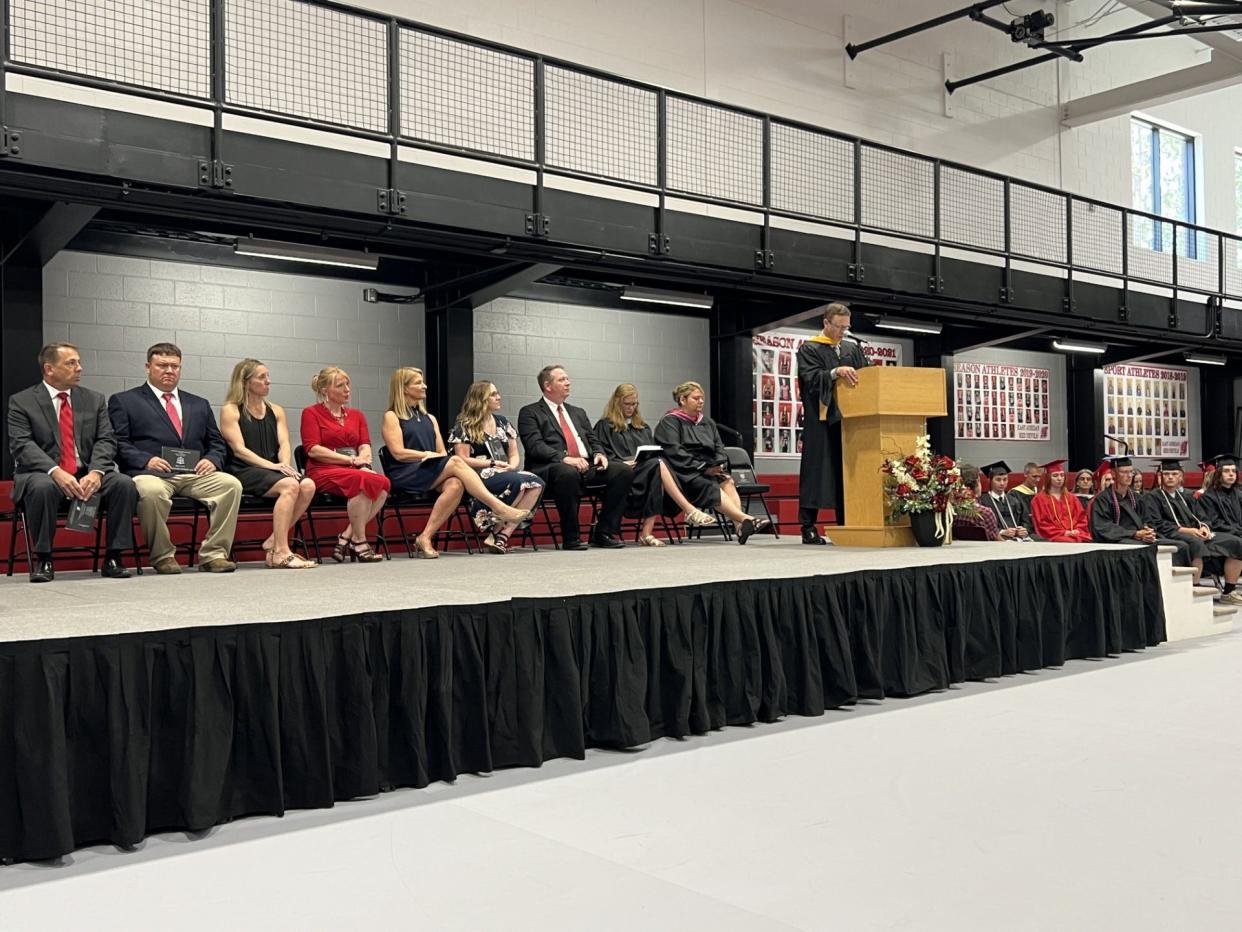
(1115, 519)
(819, 474)
(1222, 509)
(689, 450)
(646, 496)
(1166, 512)
(1011, 510)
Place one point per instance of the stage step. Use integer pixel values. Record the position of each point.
(1190, 611)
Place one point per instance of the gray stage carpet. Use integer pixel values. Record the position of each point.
(79, 604)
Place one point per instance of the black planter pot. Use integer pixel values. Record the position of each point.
(923, 523)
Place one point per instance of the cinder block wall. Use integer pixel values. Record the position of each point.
(600, 348)
(113, 308)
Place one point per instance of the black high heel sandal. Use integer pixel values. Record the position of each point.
(343, 550)
(362, 552)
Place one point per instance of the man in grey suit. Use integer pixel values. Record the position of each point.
(63, 449)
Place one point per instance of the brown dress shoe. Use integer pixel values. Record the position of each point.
(168, 567)
(218, 565)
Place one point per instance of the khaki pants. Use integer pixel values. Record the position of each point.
(219, 491)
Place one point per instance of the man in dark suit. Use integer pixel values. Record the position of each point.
(562, 449)
(63, 449)
(155, 421)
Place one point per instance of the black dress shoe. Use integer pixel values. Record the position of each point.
(607, 541)
(42, 571)
(812, 536)
(114, 569)
(573, 545)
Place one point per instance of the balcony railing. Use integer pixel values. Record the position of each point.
(326, 65)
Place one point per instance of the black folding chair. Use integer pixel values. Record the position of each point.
(17, 517)
(458, 527)
(326, 501)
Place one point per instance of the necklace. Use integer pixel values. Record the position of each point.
(339, 418)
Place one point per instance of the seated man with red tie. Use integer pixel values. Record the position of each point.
(64, 451)
(563, 451)
(168, 441)
(1057, 514)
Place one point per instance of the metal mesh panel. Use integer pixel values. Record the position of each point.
(1233, 265)
(1037, 223)
(307, 61)
(812, 173)
(599, 126)
(972, 209)
(1146, 261)
(714, 152)
(897, 192)
(467, 96)
(162, 45)
(1198, 259)
(1097, 237)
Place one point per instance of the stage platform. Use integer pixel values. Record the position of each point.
(181, 702)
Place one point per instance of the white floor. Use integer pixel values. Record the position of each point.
(1103, 796)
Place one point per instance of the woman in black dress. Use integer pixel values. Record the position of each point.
(654, 490)
(697, 459)
(257, 433)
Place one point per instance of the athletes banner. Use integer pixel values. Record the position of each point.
(995, 402)
(777, 399)
(1145, 411)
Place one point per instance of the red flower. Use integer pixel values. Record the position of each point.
(903, 489)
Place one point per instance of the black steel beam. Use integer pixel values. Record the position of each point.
(1084, 402)
(449, 365)
(52, 232)
(21, 335)
(731, 397)
(854, 49)
(497, 285)
(1216, 421)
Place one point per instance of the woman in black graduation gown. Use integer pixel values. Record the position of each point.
(697, 459)
(654, 491)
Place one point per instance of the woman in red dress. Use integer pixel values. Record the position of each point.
(338, 459)
(1057, 513)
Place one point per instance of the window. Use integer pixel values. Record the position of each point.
(1163, 182)
(1237, 188)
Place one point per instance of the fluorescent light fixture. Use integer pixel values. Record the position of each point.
(1073, 345)
(909, 326)
(1205, 359)
(296, 252)
(676, 298)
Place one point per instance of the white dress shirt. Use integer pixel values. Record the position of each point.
(583, 450)
(176, 400)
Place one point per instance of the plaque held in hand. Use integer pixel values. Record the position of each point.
(182, 461)
(83, 515)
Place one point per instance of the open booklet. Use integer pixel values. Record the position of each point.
(646, 452)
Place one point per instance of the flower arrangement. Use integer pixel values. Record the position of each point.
(924, 481)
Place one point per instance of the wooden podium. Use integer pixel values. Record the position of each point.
(881, 417)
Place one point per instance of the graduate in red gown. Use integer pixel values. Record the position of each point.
(1057, 513)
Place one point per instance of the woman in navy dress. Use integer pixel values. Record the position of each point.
(415, 460)
(487, 442)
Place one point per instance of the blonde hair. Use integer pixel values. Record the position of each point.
(612, 410)
(243, 372)
(684, 389)
(397, 382)
(474, 409)
(325, 377)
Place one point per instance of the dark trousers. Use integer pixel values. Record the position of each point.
(565, 485)
(42, 501)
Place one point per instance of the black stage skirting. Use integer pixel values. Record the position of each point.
(107, 739)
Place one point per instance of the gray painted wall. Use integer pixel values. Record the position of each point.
(113, 308)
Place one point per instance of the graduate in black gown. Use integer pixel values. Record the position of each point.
(1222, 499)
(825, 361)
(1013, 515)
(1116, 515)
(654, 491)
(698, 461)
(1177, 515)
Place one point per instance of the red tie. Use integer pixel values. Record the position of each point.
(172, 414)
(571, 445)
(68, 451)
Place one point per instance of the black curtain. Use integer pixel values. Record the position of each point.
(110, 738)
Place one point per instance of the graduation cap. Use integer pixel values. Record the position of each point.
(996, 469)
(1224, 459)
(1054, 466)
(1169, 464)
(1116, 462)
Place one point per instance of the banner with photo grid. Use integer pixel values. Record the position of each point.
(1146, 410)
(994, 402)
(777, 400)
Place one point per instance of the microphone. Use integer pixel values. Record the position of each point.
(1125, 447)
